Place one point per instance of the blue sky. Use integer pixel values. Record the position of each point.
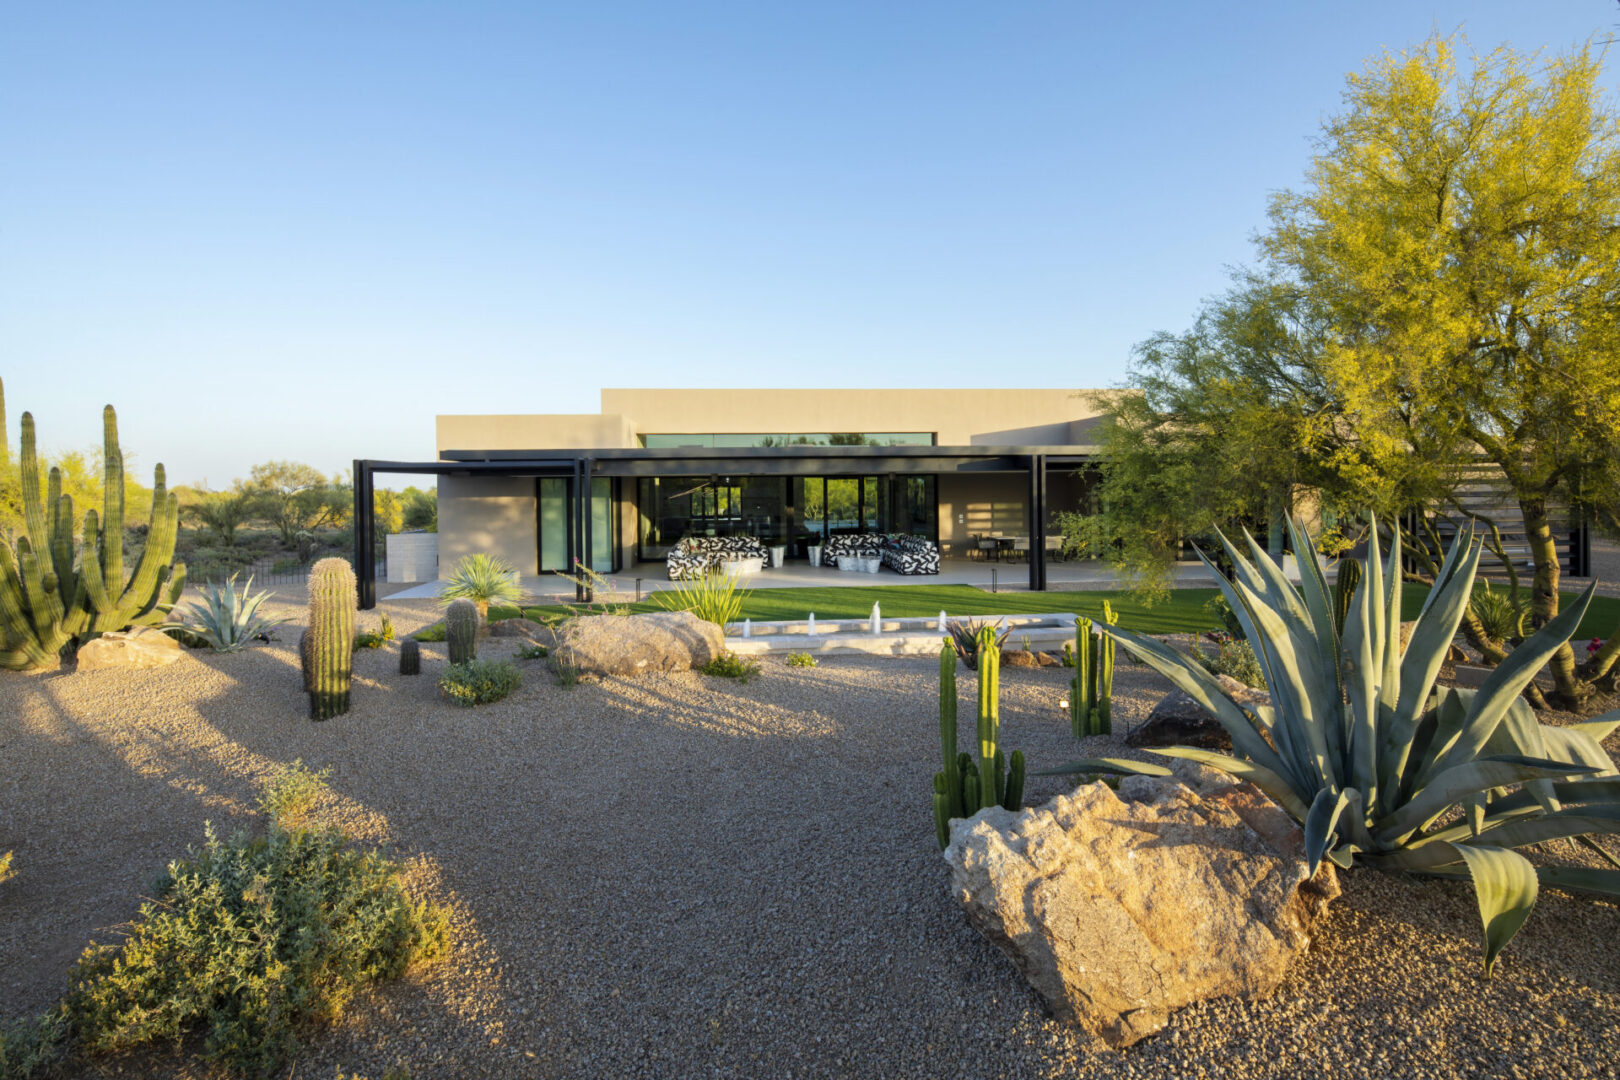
(301, 230)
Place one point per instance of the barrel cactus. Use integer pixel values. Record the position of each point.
(461, 631)
(49, 600)
(328, 646)
(410, 657)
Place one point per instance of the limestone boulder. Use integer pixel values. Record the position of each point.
(137, 647)
(523, 631)
(1020, 658)
(1178, 720)
(1121, 906)
(632, 644)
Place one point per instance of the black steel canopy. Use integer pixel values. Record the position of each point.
(705, 460)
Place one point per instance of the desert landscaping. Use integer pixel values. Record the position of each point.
(678, 874)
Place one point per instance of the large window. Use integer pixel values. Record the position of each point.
(555, 554)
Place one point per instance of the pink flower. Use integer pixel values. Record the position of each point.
(1593, 646)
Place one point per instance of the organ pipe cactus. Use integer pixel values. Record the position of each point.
(410, 657)
(49, 599)
(963, 788)
(328, 645)
(461, 631)
(1091, 692)
(1379, 765)
(1344, 589)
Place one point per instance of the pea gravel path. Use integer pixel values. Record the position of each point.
(680, 876)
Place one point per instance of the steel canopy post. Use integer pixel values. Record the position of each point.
(587, 500)
(365, 529)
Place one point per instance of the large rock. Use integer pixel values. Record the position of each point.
(1178, 720)
(632, 644)
(1118, 907)
(525, 630)
(137, 647)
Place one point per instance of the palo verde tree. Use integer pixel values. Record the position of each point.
(1459, 233)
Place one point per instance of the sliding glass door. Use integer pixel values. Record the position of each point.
(556, 552)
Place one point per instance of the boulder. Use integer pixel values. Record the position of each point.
(1018, 658)
(1046, 659)
(137, 647)
(632, 644)
(1118, 907)
(1178, 720)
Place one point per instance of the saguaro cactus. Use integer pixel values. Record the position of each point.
(962, 788)
(47, 599)
(461, 631)
(410, 657)
(1091, 692)
(328, 645)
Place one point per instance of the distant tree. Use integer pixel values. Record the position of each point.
(421, 509)
(220, 512)
(295, 498)
(388, 512)
(1460, 234)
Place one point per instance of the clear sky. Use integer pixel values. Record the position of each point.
(299, 230)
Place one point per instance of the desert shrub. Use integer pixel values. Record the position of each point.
(29, 1047)
(385, 628)
(479, 682)
(5, 866)
(532, 652)
(711, 597)
(289, 796)
(1233, 658)
(483, 579)
(729, 665)
(567, 675)
(286, 566)
(801, 659)
(1221, 611)
(435, 632)
(248, 942)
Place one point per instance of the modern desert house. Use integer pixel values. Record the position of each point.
(787, 467)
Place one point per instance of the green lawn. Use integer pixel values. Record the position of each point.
(1183, 612)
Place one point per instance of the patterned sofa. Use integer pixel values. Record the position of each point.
(693, 556)
(901, 553)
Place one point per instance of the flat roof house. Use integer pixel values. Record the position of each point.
(787, 467)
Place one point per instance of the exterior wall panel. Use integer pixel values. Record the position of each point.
(491, 514)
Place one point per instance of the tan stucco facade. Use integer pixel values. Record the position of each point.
(1056, 417)
(498, 515)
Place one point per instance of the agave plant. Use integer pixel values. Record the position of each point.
(965, 639)
(483, 579)
(228, 621)
(1379, 766)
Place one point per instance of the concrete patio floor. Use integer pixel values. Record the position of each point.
(646, 577)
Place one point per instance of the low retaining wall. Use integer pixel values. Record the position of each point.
(898, 637)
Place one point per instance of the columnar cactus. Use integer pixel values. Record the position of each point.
(328, 651)
(1344, 590)
(461, 631)
(46, 601)
(962, 788)
(1091, 692)
(410, 657)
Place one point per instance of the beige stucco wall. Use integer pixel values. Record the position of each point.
(533, 432)
(492, 514)
(958, 417)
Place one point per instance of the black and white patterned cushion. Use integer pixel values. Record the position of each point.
(693, 556)
(911, 555)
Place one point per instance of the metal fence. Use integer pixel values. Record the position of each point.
(278, 572)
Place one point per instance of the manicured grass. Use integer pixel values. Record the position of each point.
(1183, 612)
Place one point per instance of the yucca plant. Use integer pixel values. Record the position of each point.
(226, 620)
(483, 579)
(1379, 766)
(712, 597)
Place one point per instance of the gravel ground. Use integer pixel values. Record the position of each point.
(681, 876)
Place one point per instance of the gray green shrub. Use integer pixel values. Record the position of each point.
(479, 682)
